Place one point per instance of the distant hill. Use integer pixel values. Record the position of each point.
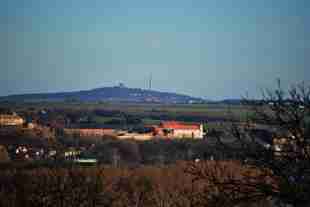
(112, 94)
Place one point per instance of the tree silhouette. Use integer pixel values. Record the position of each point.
(278, 170)
(4, 155)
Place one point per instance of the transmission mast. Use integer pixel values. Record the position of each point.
(150, 82)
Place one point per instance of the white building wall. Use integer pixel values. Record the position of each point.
(188, 133)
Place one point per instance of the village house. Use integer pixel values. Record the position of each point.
(11, 120)
(71, 153)
(282, 143)
(287, 145)
(174, 129)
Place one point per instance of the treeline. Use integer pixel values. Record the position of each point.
(147, 186)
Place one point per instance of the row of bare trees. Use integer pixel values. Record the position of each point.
(174, 185)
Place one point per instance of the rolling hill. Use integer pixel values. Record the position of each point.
(111, 94)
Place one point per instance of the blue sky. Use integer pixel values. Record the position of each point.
(209, 48)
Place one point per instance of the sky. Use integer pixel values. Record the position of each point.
(213, 49)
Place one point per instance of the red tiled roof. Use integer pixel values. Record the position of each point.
(178, 125)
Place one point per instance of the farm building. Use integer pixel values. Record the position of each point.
(89, 132)
(173, 129)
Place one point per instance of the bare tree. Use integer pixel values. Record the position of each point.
(280, 168)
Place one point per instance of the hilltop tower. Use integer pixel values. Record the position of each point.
(150, 82)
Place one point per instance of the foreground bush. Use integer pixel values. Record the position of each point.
(106, 186)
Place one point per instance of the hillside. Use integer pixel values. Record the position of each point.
(112, 94)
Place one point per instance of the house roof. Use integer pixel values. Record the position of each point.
(178, 125)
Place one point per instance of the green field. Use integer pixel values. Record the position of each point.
(134, 107)
(212, 111)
